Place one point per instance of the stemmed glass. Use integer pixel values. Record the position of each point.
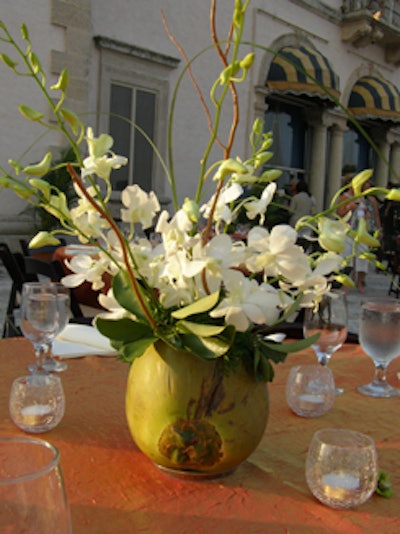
(39, 318)
(380, 339)
(329, 319)
(63, 307)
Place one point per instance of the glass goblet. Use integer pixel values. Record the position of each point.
(329, 320)
(380, 339)
(39, 317)
(64, 306)
(32, 494)
(341, 467)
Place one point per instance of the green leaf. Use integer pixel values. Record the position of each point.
(287, 348)
(384, 487)
(30, 113)
(125, 329)
(198, 329)
(200, 306)
(125, 295)
(208, 348)
(130, 351)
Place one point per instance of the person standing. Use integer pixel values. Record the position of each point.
(302, 204)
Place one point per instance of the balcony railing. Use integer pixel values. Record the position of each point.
(373, 21)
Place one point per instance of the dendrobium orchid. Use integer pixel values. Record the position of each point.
(181, 275)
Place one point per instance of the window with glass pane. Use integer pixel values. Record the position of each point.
(139, 107)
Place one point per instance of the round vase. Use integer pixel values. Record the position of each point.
(189, 417)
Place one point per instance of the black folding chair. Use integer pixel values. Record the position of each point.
(14, 265)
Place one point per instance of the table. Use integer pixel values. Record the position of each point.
(113, 488)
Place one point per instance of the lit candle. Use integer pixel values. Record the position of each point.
(340, 485)
(309, 401)
(34, 414)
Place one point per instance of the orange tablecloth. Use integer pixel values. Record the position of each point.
(113, 488)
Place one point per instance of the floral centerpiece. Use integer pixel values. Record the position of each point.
(189, 310)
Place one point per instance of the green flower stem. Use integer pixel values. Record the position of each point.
(121, 240)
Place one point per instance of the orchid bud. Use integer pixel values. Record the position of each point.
(364, 237)
(332, 234)
(42, 186)
(62, 82)
(43, 239)
(230, 166)
(72, 119)
(394, 194)
(247, 61)
(29, 113)
(191, 208)
(359, 180)
(8, 61)
(40, 168)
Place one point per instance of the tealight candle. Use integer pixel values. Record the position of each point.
(339, 485)
(35, 414)
(341, 467)
(310, 390)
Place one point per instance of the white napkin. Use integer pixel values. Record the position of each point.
(74, 250)
(81, 340)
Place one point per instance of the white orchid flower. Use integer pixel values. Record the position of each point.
(222, 211)
(99, 162)
(259, 206)
(140, 207)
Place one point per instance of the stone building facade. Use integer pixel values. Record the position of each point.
(122, 62)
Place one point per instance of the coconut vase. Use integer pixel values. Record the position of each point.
(189, 417)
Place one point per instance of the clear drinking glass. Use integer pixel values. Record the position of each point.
(64, 307)
(329, 319)
(380, 338)
(32, 494)
(341, 467)
(39, 317)
(37, 402)
(310, 390)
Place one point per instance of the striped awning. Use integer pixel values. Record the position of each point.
(301, 70)
(375, 98)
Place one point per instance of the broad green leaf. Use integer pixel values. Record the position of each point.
(198, 329)
(208, 348)
(130, 351)
(125, 295)
(200, 306)
(294, 346)
(125, 329)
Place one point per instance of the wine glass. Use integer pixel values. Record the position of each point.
(32, 493)
(64, 307)
(329, 319)
(39, 317)
(380, 339)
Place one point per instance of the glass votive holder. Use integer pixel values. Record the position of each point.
(310, 390)
(341, 467)
(37, 402)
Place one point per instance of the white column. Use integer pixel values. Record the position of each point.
(318, 164)
(395, 163)
(382, 169)
(335, 163)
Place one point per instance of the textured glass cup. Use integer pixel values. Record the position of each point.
(32, 494)
(310, 390)
(341, 467)
(37, 402)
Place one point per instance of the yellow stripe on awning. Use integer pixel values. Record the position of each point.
(301, 70)
(375, 98)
